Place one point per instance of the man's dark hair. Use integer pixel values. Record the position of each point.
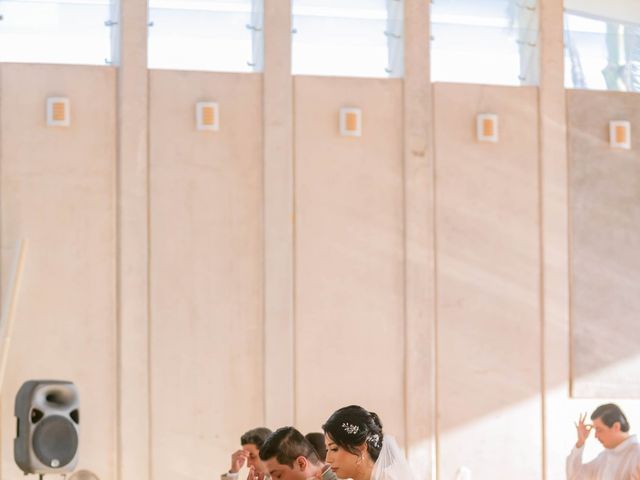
(256, 437)
(317, 440)
(609, 414)
(286, 444)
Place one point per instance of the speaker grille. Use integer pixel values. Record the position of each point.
(55, 441)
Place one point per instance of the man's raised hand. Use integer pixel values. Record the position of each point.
(237, 460)
(254, 475)
(582, 430)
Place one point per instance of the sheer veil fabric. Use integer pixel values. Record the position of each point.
(391, 464)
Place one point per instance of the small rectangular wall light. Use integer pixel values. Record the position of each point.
(620, 134)
(350, 122)
(487, 127)
(58, 112)
(208, 116)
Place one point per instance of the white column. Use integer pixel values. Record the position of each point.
(554, 196)
(278, 216)
(133, 245)
(420, 321)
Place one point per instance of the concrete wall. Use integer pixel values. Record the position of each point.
(58, 191)
(206, 338)
(488, 277)
(349, 286)
(605, 214)
(197, 284)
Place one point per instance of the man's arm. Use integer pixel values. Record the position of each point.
(238, 459)
(576, 470)
(229, 476)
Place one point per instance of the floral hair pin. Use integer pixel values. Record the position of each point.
(374, 440)
(350, 428)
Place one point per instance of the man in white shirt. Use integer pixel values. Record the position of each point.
(621, 458)
(250, 442)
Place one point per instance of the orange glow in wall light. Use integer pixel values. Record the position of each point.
(207, 116)
(487, 127)
(58, 112)
(350, 122)
(620, 134)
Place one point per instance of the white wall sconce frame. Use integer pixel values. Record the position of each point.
(350, 122)
(207, 116)
(58, 112)
(620, 134)
(487, 127)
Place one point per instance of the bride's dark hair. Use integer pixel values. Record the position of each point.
(353, 426)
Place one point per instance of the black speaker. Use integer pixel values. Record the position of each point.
(47, 432)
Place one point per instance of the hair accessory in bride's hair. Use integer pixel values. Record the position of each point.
(350, 428)
(374, 440)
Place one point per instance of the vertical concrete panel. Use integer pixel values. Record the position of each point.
(58, 191)
(488, 274)
(349, 251)
(605, 246)
(206, 271)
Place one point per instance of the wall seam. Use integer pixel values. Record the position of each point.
(118, 284)
(569, 219)
(294, 257)
(147, 81)
(541, 286)
(405, 282)
(2, 69)
(435, 450)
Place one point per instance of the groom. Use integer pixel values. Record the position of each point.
(287, 455)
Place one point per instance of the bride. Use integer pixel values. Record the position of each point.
(358, 449)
